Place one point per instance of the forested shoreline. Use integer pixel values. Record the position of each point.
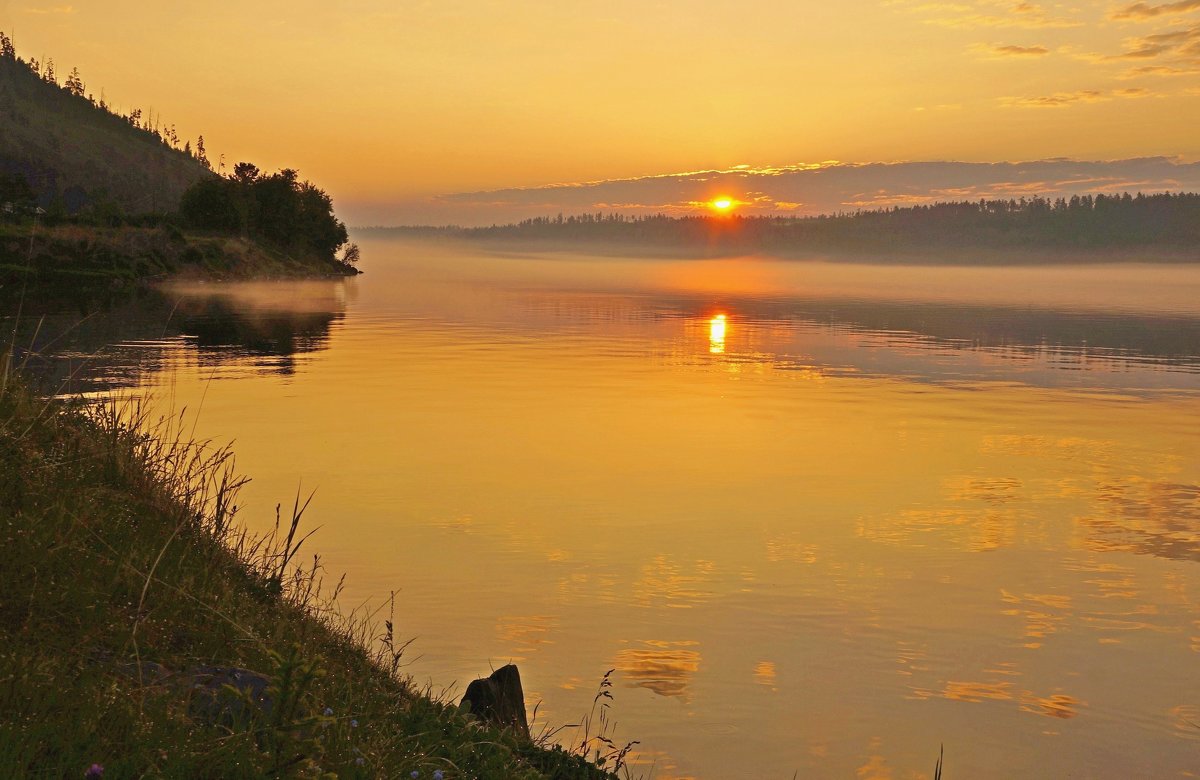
(1161, 221)
(94, 197)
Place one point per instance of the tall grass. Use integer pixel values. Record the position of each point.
(127, 578)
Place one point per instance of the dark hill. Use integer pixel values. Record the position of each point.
(69, 147)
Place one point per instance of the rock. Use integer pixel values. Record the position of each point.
(213, 702)
(148, 673)
(499, 700)
(206, 688)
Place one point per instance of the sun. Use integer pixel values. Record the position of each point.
(721, 205)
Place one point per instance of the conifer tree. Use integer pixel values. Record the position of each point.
(202, 153)
(74, 83)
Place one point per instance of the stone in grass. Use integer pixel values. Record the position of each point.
(208, 689)
(213, 702)
(499, 700)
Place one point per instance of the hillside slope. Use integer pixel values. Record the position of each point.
(147, 634)
(69, 148)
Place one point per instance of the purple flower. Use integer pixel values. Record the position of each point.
(95, 772)
(329, 712)
(353, 723)
(438, 775)
(360, 761)
(415, 774)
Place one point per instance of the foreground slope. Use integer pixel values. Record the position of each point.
(143, 633)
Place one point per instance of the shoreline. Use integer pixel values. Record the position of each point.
(149, 633)
(77, 256)
(933, 256)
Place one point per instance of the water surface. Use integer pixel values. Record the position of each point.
(821, 519)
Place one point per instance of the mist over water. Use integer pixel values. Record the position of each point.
(820, 518)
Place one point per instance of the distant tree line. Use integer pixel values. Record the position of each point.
(277, 209)
(1082, 221)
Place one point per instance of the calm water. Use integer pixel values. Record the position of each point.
(820, 519)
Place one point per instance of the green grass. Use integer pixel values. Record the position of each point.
(124, 565)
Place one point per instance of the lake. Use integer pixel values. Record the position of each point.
(821, 519)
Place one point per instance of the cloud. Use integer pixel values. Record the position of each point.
(1057, 99)
(987, 13)
(1060, 99)
(1161, 70)
(1173, 38)
(1021, 51)
(1142, 52)
(1143, 11)
(940, 107)
(810, 188)
(1177, 41)
(55, 9)
(997, 51)
(1178, 49)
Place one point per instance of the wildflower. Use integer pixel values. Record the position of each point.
(329, 712)
(95, 772)
(360, 761)
(415, 774)
(438, 775)
(353, 723)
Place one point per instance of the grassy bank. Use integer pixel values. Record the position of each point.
(68, 255)
(131, 605)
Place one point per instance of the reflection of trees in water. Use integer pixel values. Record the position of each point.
(1060, 340)
(89, 342)
(220, 331)
(1067, 339)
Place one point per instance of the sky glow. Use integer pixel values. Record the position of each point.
(390, 106)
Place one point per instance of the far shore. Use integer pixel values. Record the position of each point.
(932, 256)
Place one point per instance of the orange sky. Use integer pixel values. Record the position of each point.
(385, 103)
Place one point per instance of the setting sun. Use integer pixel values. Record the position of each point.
(721, 205)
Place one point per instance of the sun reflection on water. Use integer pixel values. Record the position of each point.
(716, 334)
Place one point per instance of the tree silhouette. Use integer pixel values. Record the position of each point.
(245, 173)
(278, 209)
(74, 83)
(202, 153)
